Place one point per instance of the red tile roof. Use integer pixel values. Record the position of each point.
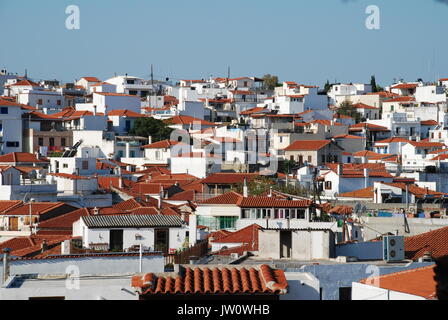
(247, 235)
(418, 282)
(425, 144)
(125, 113)
(229, 178)
(226, 198)
(392, 140)
(214, 280)
(312, 145)
(15, 157)
(164, 144)
(367, 126)
(188, 120)
(37, 208)
(364, 106)
(25, 82)
(429, 123)
(188, 195)
(91, 79)
(253, 110)
(6, 205)
(404, 100)
(435, 242)
(272, 202)
(405, 86)
(361, 193)
(8, 103)
(63, 222)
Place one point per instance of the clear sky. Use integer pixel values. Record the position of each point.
(304, 41)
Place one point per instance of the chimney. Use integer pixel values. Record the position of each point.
(159, 204)
(44, 246)
(128, 150)
(340, 169)
(270, 191)
(65, 247)
(149, 139)
(245, 190)
(366, 177)
(120, 182)
(5, 264)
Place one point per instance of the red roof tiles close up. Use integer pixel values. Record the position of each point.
(214, 280)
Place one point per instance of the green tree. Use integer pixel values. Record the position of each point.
(256, 186)
(327, 86)
(346, 108)
(270, 82)
(375, 86)
(149, 126)
(287, 166)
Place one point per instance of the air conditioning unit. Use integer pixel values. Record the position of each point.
(393, 248)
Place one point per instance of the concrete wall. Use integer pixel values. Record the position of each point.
(361, 250)
(87, 265)
(303, 286)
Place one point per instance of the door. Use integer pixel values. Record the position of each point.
(116, 240)
(285, 244)
(161, 240)
(13, 224)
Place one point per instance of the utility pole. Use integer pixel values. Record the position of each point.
(152, 79)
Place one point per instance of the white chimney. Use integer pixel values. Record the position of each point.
(245, 189)
(128, 150)
(149, 139)
(159, 204)
(340, 169)
(366, 177)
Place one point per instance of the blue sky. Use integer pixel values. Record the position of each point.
(304, 41)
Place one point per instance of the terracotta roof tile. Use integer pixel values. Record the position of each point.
(419, 282)
(313, 145)
(435, 242)
(214, 280)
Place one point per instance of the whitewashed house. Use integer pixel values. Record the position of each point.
(166, 233)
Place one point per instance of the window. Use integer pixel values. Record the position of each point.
(65, 165)
(300, 214)
(227, 222)
(40, 102)
(4, 110)
(323, 158)
(130, 81)
(41, 142)
(58, 102)
(85, 165)
(63, 142)
(327, 185)
(51, 142)
(12, 144)
(310, 159)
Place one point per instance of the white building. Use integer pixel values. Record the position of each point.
(122, 232)
(10, 127)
